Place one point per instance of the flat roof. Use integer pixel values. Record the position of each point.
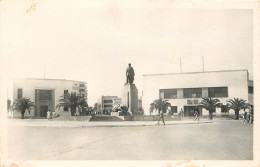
(49, 79)
(196, 72)
(109, 96)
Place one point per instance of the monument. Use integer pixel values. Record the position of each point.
(130, 92)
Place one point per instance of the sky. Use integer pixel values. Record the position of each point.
(94, 41)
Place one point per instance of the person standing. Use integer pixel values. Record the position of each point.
(251, 115)
(181, 113)
(53, 114)
(49, 115)
(196, 114)
(244, 117)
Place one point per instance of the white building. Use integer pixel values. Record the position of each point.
(108, 102)
(45, 93)
(186, 90)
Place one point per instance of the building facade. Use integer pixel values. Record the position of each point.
(186, 90)
(108, 102)
(45, 93)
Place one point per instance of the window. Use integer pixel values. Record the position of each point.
(224, 109)
(169, 93)
(173, 110)
(81, 85)
(20, 93)
(108, 101)
(218, 92)
(45, 94)
(192, 92)
(250, 89)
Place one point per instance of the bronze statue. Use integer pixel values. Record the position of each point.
(130, 74)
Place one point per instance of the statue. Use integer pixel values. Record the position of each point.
(130, 74)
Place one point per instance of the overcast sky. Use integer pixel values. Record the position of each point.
(95, 43)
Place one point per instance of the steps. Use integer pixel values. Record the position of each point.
(105, 118)
(73, 118)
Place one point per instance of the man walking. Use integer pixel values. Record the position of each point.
(161, 117)
(196, 114)
(244, 117)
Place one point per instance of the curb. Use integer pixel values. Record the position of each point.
(112, 125)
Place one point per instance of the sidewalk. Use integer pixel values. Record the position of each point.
(81, 124)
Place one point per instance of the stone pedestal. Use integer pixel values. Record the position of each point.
(130, 98)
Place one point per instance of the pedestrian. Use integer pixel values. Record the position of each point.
(244, 117)
(251, 115)
(48, 114)
(181, 113)
(161, 117)
(53, 114)
(196, 114)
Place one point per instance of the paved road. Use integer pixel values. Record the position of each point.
(222, 140)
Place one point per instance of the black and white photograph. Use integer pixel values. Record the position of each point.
(135, 83)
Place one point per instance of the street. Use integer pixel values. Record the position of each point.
(220, 140)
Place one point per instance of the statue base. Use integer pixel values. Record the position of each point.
(130, 98)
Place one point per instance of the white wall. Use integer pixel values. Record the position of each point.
(236, 81)
(30, 85)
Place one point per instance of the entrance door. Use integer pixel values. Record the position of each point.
(189, 111)
(43, 111)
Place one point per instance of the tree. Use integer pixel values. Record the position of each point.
(124, 110)
(83, 105)
(210, 104)
(23, 104)
(160, 105)
(90, 110)
(237, 104)
(72, 101)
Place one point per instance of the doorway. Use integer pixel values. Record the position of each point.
(190, 111)
(43, 111)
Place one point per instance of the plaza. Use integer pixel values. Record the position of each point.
(218, 140)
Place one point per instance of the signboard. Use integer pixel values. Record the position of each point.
(190, 102)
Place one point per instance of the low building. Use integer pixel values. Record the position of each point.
(108, 102)
(45, 93)
(186, 90)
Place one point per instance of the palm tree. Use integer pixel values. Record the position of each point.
(210, 104)
(237, 104)
(83, 105)
(160, 105)
(23, 104)
(72, 101)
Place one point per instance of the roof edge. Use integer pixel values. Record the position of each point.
(48, 79)
(195, 72)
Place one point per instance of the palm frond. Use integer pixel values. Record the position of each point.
(159, 105)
